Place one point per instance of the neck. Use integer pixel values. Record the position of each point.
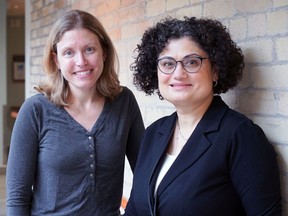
(179, 133)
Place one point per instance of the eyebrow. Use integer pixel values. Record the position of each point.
(189, 55)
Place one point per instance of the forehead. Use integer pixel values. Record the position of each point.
(78, 37)
(181, 47)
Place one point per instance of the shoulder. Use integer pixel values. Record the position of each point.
(163, 124)
(242, 131)
(126, 97)
(222, 113)
(36, 103)
(124, 103)
(238, 120)
(37, 99)
(126, 92)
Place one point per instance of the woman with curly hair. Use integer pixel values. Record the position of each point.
(204, 159)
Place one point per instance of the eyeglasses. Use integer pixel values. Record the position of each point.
(191, 64)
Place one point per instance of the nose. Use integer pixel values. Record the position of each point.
(81, 59)
(179, 70)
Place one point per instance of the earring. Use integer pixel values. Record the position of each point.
(215, 83)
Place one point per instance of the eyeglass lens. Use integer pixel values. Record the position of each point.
(191, 64)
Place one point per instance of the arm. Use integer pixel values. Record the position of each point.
(254, 171)
(136, 132)
(22, 162)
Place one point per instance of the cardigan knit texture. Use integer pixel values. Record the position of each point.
(57, 167)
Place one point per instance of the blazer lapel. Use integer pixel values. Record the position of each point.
(197, 144)
(195, 147)
(159, 150)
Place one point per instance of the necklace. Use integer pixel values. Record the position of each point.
(179, 141)
(180, 133)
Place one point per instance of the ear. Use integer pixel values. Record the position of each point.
(54, 56)
(215, 75)
(104, 56)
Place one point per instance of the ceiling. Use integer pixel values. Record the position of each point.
(15, 7)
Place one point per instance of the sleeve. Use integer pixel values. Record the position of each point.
(254, 171)
(22, 162)
(136, 132)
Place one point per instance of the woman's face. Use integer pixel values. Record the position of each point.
(80, 58)
(180, 87)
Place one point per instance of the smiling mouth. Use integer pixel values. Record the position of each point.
(180, 85)
(82, 73)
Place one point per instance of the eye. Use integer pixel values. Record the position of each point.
(89, 50)
(167, 63)
(68, 53)
(191, 62)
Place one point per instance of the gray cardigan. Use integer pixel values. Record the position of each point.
(72, 171)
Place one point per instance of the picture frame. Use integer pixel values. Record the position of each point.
(18, 68)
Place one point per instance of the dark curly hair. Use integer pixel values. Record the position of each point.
(212, 37)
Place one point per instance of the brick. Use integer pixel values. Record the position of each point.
(257, 25)
(115, 34)
(279, 3)
(218, 9)
(281, 49)
(110, 21)
(113, 5)
(34, 15)
(61, 4)
(136, 13)
(36, 5)
(277, 22)
(133, 30)
(257, 51)
(130, 15)
(101, 9)
(194, 2)
(247, 5)
(272, 76)
(231, 99)
(36, 42)
(155, 7)
(37, 51)
(283, 103)
(238, 28)
(126, 3)
(37, 60)
(195, 11)
(157, 110)
(172, 4)
(48, 10)
(258, 102)
(81, 5)
(275, 129)
(245, 82)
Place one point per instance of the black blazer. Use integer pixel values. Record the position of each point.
(227, 168)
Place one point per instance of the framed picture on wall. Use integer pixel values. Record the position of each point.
(18, 68)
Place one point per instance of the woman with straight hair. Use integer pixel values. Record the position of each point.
(69, 141)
